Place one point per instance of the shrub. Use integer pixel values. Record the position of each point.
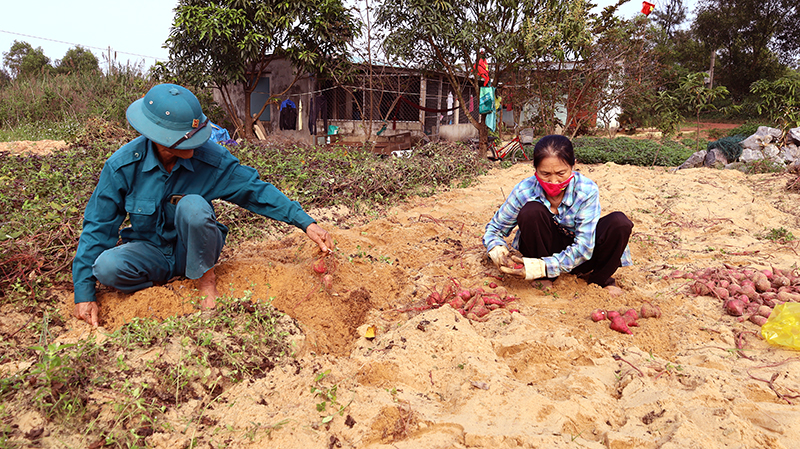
(625, 150)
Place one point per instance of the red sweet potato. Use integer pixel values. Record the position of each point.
(618, 324)
(780, 281)
(734, 307)
(611, 314)
(492, 299)
(758, 319)
(327, 281)
(761, 282)
(457, 303)
(492, 285)
(650, 311)
(764, 311)
(630, 317)
(721, 293)
(701, 289)
(598, 315)
(788, 297)
(319, 266)
(471, 316)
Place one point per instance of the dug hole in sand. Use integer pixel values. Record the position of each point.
(546, 376)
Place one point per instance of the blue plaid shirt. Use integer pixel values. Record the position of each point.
(579, 212)
(134, 184)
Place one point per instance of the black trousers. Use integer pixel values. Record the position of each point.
(540, 236)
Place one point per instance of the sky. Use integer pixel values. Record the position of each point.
(134, 30)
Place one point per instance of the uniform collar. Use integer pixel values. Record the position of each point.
(151, 161)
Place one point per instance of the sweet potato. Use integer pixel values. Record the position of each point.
(492, 299)
(492, 285)
(788, 297)
(611, 314)
(480, 310)
(780, 281)
(473, 317)
(618, 324)
(749, 291)
(764, 311)
(598, 315)
(734, 307)
(630, 317)
(319, 266)
(650, 311)
(761, 282)
(734, 289)
(327, 281)
(701, 289)
(758, 319)
(721, 293)
(457, 303)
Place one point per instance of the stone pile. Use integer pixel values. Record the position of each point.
(766, 144)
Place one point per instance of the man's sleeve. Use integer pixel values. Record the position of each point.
(101, 221)
(246, 189)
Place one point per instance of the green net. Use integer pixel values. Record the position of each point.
(730, 146)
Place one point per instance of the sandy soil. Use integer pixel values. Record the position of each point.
(546, 376)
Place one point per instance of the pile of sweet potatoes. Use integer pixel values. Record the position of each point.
(473, 303)
(624, 319)
(745, 292)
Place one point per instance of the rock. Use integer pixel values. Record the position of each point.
(695, 160)
(763, 136)
(749, 155)
(772, 152)
(794, 134)
(715, 159)
(790, 153)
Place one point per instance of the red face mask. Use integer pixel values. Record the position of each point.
(553, 189)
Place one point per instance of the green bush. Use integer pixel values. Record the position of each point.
(625, 150)
(747, 129)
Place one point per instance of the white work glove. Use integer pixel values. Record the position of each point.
(532, 268)
(499, 255)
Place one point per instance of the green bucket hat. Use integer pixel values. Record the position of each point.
(170, 115)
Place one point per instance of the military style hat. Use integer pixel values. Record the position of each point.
(170, 115)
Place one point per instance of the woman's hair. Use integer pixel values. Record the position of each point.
(554, 145)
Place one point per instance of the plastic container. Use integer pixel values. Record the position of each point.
(783, 325)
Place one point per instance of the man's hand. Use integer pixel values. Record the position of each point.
(531, 268)
(87, 311)
(499, 255)
(320, 237)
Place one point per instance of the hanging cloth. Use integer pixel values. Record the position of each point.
(486, 100)
(299, 115)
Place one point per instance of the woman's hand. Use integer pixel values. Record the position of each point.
(499, 255)
(531, 268)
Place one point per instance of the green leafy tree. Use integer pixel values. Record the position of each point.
(24, 60)
(78, 59)
(229, 44)
(746, 35)
(780, 99)
(592, 64)
(451, 35)
(669, 16)
(698, 97)
(5, 78)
